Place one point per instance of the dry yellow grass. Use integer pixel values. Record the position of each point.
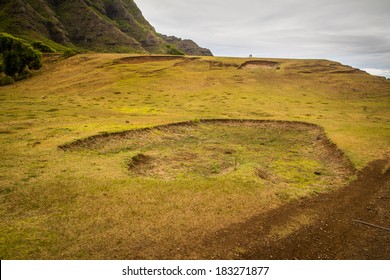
(73, 205)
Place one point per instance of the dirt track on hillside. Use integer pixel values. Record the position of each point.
(335, 230)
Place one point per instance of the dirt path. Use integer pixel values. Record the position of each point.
(320, 227)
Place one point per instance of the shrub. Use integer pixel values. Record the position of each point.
(172, 50)
(70, 53)
(38, 45)
(18, 56)
(5, 80)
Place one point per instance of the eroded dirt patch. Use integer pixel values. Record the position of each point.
(147, 58)
(221, 65)
(326, 226)
(139, 161)
(264, 64)
(324, 66)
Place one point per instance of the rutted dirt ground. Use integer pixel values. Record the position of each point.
(327, 226)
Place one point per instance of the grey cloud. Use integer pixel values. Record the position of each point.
(350, 31)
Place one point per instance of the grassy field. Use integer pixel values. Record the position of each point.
(150, 196)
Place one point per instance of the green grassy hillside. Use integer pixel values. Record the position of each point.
(153, 193)
(97, 25)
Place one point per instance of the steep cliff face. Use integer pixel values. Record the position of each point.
(98, 25)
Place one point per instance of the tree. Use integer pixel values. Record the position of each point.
(18, 56)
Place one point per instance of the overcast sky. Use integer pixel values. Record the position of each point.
(353, 32)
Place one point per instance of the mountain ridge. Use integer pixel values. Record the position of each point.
(94, 25)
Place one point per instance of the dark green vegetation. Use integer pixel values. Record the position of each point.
(97, 25)
(18, 58)
(42, 47)
(173, 51)
(158, 193)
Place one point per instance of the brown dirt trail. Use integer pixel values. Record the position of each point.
(320, 227)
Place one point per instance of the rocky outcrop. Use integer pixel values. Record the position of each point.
(187, 46)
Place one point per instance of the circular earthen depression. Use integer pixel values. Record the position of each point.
(278, 152)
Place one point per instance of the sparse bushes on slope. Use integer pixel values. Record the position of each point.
(38, 45)
(70, 53)
(18, 57)
(172, 50)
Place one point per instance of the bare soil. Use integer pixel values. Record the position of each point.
(147, 58)
(259, 64)
(333, 227)
(138, 160)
